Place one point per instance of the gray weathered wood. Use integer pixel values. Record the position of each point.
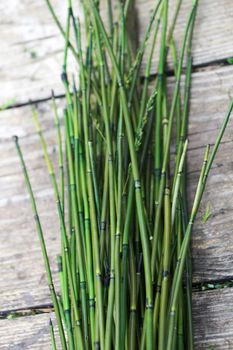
(213, 319)
(31, 50)
(23, 279)
(213, 322)
(211, 94)
(213, 35)
(24, 333)
(31, 46)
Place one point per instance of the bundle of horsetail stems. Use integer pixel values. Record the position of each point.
(120, 189)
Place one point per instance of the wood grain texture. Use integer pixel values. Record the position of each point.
(213, 323)
(24, 333)
(212, 242)
(213, 35)
(213, 319)
(23, 280)
(31, 45)
(31, 50)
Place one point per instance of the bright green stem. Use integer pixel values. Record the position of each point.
(166, 268)
(52, 336)
(43, 247)
(80, 248)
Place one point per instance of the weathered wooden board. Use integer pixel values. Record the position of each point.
(31, 50)
(23, 282)
(31, 46)
(213, 319)
(213, 35)
(212, 241)
(213, 322)
(24, 333)
(23, 279)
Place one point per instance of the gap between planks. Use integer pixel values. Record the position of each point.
(170, 73)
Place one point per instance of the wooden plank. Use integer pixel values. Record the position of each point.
(31, 46)
(213, 319)
(24, 333)
(212, 242)
(213, 323)
(213, 39)
(31, 50)
(23, 281)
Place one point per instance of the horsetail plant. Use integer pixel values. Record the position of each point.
(124, 266)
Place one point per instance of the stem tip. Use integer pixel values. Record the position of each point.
(15, 138)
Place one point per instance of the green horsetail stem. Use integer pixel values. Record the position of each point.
(43, 246)
(90, 189)
(53, 341)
